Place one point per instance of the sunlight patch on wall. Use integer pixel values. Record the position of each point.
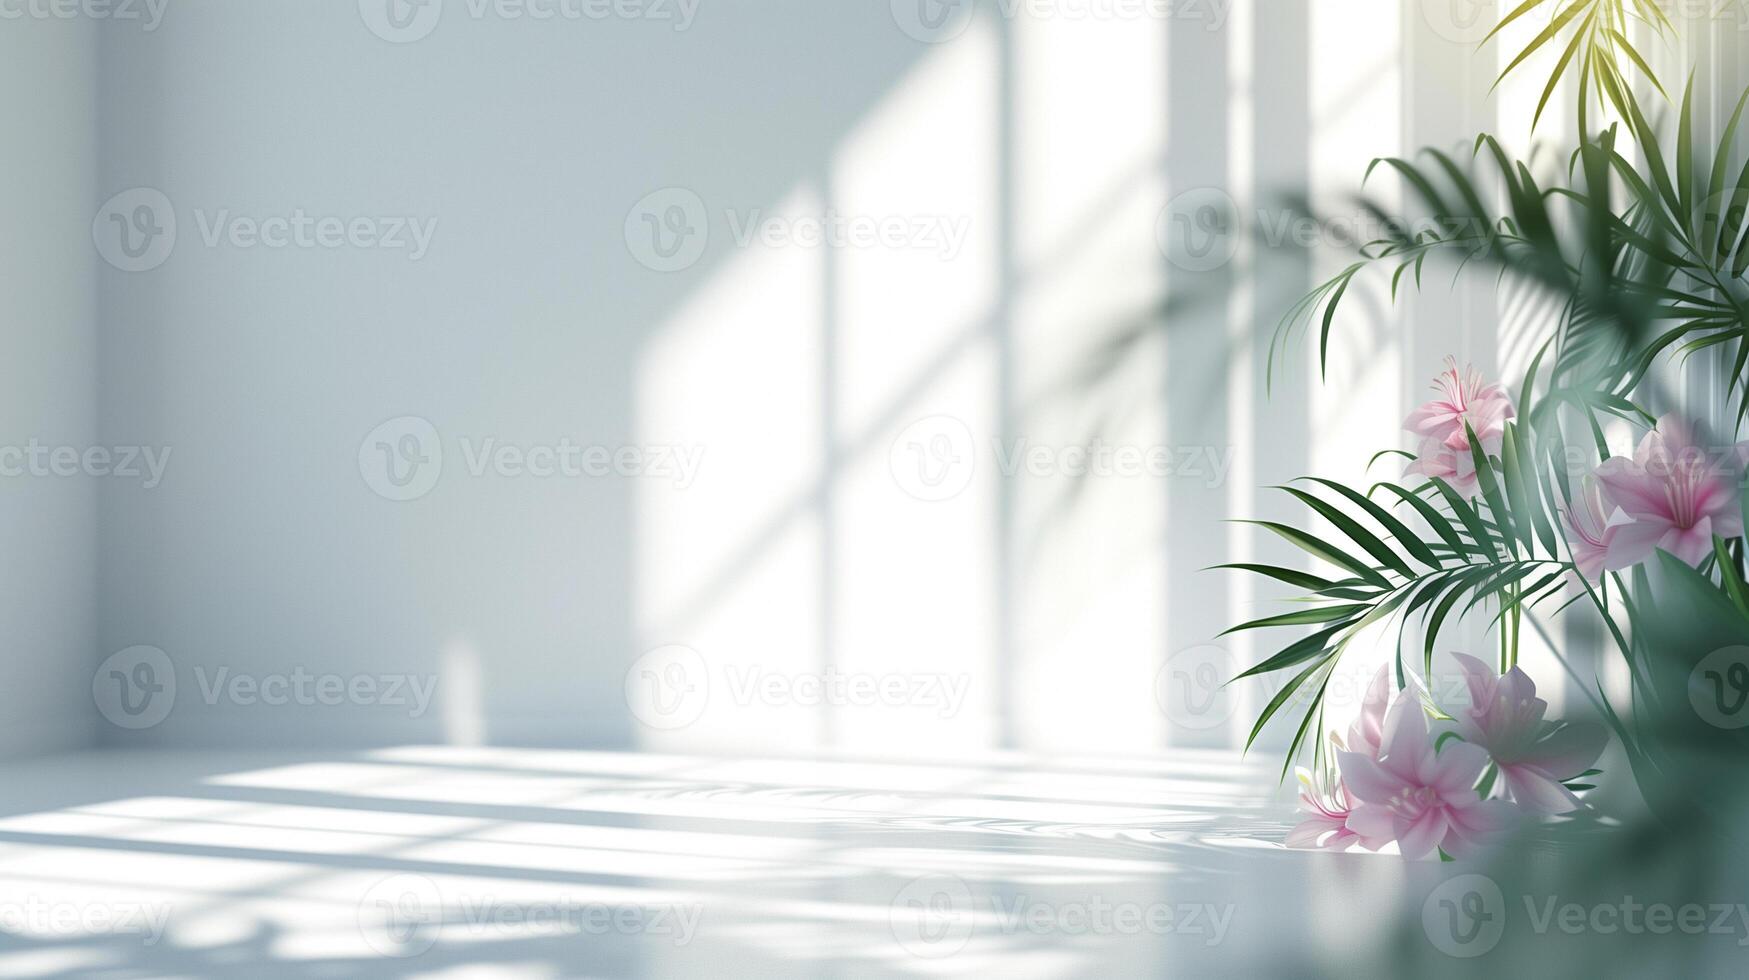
(925, 160)
(728, 564)
(1354, 101)
(1089, 133)
(915, 563)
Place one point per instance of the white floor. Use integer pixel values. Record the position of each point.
(446, 862)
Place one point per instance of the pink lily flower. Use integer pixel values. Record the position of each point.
(1421, 796)
(1676, 495)
(1328, 803)
(1505, 717)
(1328, 808)
(1444, 451)
(1369, 728)
(1592, 521)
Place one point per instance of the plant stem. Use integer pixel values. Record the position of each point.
(1517, 623)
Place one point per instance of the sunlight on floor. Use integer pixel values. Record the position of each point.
(432, 861)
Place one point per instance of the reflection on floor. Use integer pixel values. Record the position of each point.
(450, 862)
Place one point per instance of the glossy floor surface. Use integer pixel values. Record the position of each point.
(452, 863)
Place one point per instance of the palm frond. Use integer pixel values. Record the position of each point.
(1495, 548)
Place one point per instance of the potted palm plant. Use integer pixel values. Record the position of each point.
(1512, 502)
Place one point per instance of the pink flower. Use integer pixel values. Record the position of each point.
(1591, 521)
(1369, 728)
(1326, 825)
(1328, 803)
(1418, 795)
(1444, 451)
(1675, 495)
(1505, 717)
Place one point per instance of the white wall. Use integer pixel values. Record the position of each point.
(798, 371)
(47, 383)
(262, 370)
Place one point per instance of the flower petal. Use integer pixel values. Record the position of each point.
(1537, 791)
(1459, 766)
(1405, 737)
(1568, 750)
(1480, 679)
(1367, 780)
(1310, 833)
(1374, 824)
(1477, 825)
(1638, 493)
(1368, 729)
(1691, 545)
(1485, 818)
(1418, 837)
(1633, 543)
